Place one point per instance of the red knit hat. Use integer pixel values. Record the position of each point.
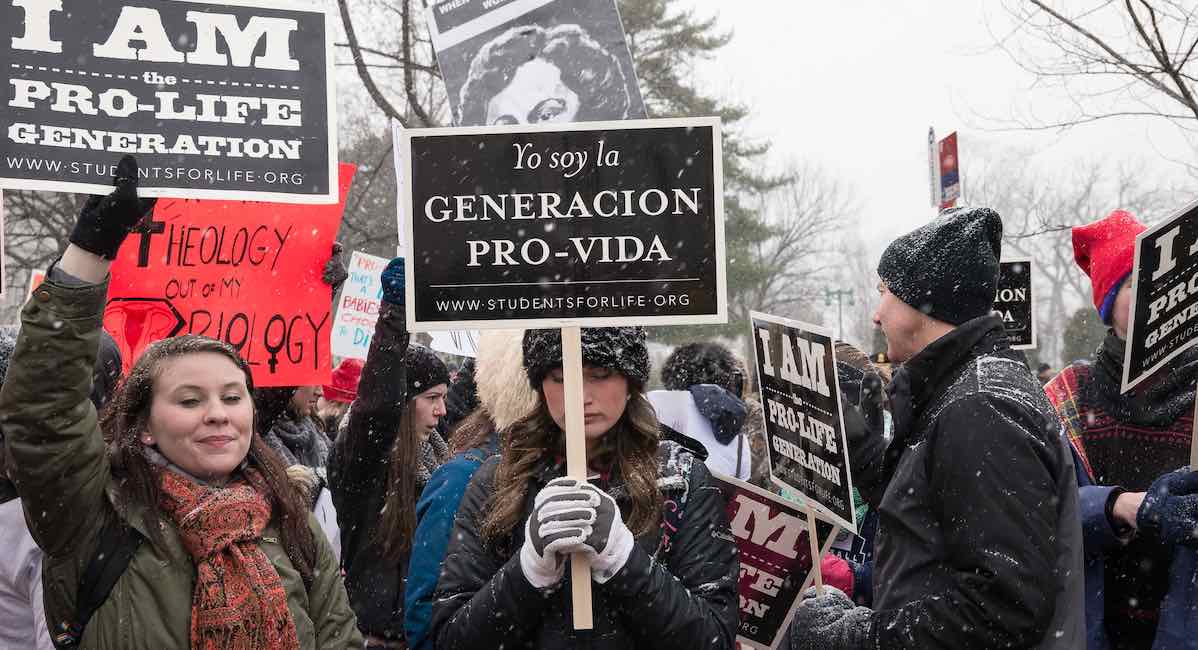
(1105, 250)
(345, 382)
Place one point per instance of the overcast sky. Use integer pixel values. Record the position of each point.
(855, 84)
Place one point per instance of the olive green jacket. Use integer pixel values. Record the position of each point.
(61, 469)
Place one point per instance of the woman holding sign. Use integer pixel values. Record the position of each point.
(663, 561)
(206, 542)
(387, 449)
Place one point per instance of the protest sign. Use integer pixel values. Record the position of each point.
(246, 273)
(1164, 308)
(498, 59)
(800, 394)
(949, 174)
(462, 343)
(1013, 302)
(229, 99)
(933, 168)
(396, 142)
(772, 536)
(358, 306)
(36, 277)
(590, 224)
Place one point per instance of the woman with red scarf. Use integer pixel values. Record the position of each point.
(217, 547)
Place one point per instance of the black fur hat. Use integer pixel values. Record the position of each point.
(703, 363)
(622, 349)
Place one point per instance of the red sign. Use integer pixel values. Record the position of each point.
(244, 272)
(35, 280)
(950, 175)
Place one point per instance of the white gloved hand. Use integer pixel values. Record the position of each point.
(610, 541)
(560, 522)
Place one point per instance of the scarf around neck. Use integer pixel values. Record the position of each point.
(1159, 402)
(239, 601)
(303, 440)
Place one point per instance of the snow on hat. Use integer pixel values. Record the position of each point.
(703, 363)
(343, 386)
(622, 349)
(425, 370)
(1105, 250)
(948, 268)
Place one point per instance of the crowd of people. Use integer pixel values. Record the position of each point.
(405, 506)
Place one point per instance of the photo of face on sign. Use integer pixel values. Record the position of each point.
(531, 75)
(562, 61)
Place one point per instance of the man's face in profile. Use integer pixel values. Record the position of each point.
(535, 95)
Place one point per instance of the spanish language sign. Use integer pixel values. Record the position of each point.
(246, 273)
(228, 100)
(775, 559)
(1164, 309)
(800, 393)
(358, 306)
(590, 224)
(1013, 302)
(533, 61)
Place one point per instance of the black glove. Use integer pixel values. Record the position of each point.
(105, 221)
(393, 282)
(829, 622)
(873, 403)
(334, 270)
(865, 431)
(1170, 508)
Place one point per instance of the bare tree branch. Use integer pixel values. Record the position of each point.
(363, 73)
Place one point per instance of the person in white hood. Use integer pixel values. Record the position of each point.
(703, 401)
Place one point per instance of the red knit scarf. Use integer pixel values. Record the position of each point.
(239, 601)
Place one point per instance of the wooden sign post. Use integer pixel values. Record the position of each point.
(576, 465)
(1194, 439)
(812, 537)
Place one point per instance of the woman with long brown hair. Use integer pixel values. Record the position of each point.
(223, 552)
(383, 456)
(663, 561)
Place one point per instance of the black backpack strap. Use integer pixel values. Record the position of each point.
(116, 546)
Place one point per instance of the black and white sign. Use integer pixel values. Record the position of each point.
(1164, 310)
(1013, 302)
(534, 61)
(775, 559)
(800, 394)
(228, 100)
(589, 224)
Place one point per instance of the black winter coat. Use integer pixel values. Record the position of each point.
(980, 538)
(359, 469)
(681, 597)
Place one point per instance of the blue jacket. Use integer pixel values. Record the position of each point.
(1178, 627)
(435, 512)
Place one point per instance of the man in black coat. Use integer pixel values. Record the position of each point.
(980, 539)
